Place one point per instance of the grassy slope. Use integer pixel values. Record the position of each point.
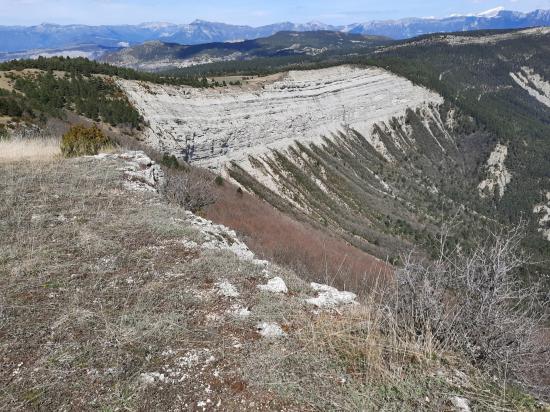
(98, 287)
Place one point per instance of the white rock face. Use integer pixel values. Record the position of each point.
(275, 285)
(534, 84)
(330, 297)
(497, 174)
(543, 211)
(214, 126)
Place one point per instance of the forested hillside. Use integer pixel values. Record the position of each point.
(35, 90)
(159, 56)
(479, 79)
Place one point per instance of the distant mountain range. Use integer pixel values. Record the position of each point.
(489, 20)
(57, 37)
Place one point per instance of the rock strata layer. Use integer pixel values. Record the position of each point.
(215, 126)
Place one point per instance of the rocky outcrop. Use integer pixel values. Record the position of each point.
(543, 212)
(140, 172)
(329, 297)
(215, 126)
(498, 176)
(533, 84)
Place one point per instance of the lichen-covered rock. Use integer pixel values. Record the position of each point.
(329, 297)
(275, 285)
(141, 173)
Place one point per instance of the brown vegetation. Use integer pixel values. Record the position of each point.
(190, 188)
(477, 304)
(314, 254)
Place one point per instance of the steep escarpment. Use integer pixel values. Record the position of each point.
(358, 151)
(382, 192)
(501, 79)
(212, 127)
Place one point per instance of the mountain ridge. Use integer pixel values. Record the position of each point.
(157, 55)
(54, 36)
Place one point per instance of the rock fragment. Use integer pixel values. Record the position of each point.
(270, 330)
(461, 404)
(227, 289)
(275, 285)
(330, 297)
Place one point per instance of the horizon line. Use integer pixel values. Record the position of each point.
(198, 20)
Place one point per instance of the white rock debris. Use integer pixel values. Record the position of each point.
(275, 285)
(270, 330)
(215, 126)
(498, 176)
(185, 367)
(534, 84)
(219, 237)
(140, 172)
(460, 404)
(329, 297)
(150, 378)
(543, 211)
(227, 289)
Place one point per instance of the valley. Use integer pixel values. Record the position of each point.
(160, 56)
(329, 146)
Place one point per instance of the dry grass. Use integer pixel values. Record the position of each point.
(35, 150)
(5, 83)
(362, 359)
(97, 287)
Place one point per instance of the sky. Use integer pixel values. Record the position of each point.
(250, 12)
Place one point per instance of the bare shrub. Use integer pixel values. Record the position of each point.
(190, 188)
(475, 303)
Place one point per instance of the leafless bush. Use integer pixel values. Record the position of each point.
(190, 188)
(476, 303)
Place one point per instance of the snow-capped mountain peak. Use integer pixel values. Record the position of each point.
(491, 13)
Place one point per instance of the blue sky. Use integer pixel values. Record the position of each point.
(251, 12)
